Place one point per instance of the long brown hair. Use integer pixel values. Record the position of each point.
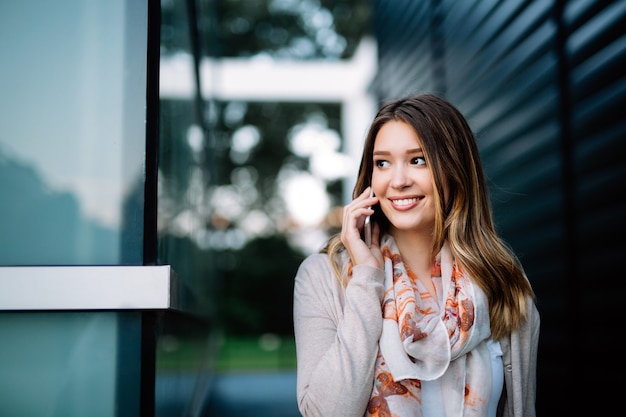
(463, 215)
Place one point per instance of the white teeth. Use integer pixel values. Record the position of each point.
(405, 201)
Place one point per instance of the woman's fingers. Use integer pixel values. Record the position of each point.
(355, 212)
(354, 215)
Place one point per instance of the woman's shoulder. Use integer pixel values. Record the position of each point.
(316, 258)
(315, 264)
(316, 280)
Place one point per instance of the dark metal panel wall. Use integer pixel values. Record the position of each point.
(595, 58)
(543, 85)
(404, 44)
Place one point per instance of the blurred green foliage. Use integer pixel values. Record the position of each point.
(257, 288)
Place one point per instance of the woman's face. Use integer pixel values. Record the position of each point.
(402, 180)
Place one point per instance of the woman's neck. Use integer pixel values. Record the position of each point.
(416, 251)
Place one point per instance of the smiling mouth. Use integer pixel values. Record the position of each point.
(405, 201)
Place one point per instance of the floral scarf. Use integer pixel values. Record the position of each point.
(422, 341)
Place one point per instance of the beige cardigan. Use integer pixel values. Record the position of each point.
(337, 334)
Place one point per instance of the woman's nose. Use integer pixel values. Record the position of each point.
(400, 178)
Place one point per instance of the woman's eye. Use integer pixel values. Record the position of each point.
(381, 163)
(418, 160)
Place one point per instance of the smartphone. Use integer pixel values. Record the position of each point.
(367, 228)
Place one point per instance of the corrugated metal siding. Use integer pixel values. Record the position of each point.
(543, 85)
(595, 51)
(403, 27)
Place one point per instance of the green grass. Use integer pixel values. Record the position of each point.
(256, 353)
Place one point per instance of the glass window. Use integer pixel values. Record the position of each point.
(72, 136)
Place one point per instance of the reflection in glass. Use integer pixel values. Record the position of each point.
(72, 135)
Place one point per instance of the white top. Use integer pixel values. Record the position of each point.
(432, 398)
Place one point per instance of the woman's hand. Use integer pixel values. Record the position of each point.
(354, 215)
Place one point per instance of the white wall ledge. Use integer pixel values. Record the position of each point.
(88, 288)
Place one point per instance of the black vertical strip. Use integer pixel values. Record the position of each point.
(572, 352)
(148, 321)
(152, 134)
(148, 363)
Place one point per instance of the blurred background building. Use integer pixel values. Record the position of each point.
(165, 167)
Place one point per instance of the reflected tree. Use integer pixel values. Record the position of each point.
(252, 189)
(286, 29)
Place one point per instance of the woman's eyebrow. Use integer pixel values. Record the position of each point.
(408, 151)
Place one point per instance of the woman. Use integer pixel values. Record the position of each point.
(436, 317)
